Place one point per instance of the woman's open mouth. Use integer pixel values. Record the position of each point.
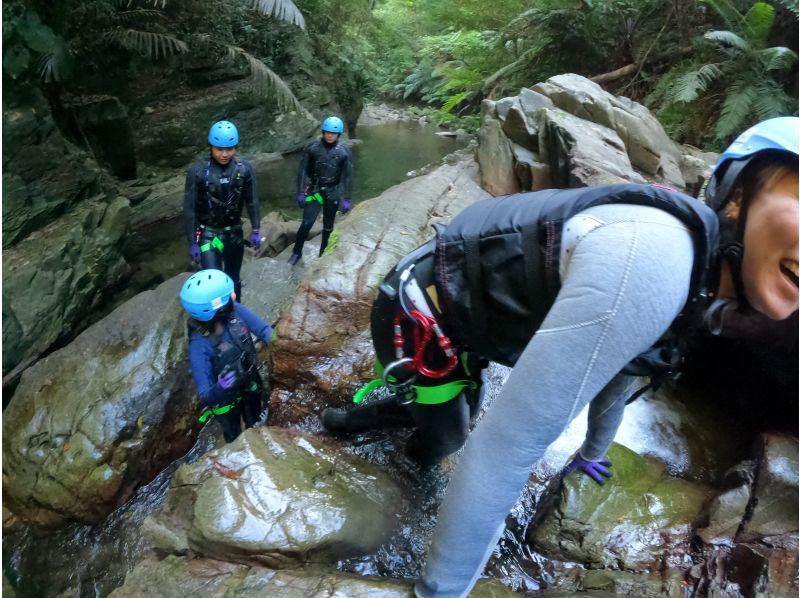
(790, 270)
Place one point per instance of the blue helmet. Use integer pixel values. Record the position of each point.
(333, 124)
(223, 134)
(780, 134)
(205, 292)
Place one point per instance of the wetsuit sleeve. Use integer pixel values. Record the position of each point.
(251, 199)
(256, 325)
(189, 202)
(347, 174)
(201, 362)
(626, 282)
(302, 171)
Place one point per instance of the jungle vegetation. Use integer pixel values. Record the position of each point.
(707, 68)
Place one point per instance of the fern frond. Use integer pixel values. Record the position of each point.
(690, 85)
(771, 100)
(453, 101)
(729, 12)
(727, 38)
(759, 19)
(266, 82)
(284, 10)
(735, 109)
(777, 58)
(137, 14)
(54, 66)
(147, 43)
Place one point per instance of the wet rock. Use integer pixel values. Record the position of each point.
(644, 139)
(277, 498)
(641, 520)
(775, 494)
(496, 159)
(52, 279)
(43, 173)
(747, 570)
(502, 107)
(728, 509)
(177, 128)
(102, 122)
(323, 352)
(160, 200)
(278, 233)
(532, 102)
(180, 576)
(88, 423)
(582, 153)
(520, 129)
(268, 285)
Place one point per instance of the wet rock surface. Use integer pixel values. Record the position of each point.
(323, 351)
(87, 423)
(52, 279)
(642, 521)
(44, 174)
(278, 498)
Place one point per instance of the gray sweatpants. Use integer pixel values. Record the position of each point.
(626, 282)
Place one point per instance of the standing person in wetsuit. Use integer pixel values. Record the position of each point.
(324, 182)
(581, 290)
(216, 191)
(222, 354)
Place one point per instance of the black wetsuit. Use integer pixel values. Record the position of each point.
(326, 169)
(212, 208)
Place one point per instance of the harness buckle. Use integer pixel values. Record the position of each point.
(403, 391)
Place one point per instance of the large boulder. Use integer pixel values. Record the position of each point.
(643, 521)
(92, 421)
(582, 153)
(278, 498)
(53, 278)
(645, 141)
(496, 159)
(323, 351)
(43, 174)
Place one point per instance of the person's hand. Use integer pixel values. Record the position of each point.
(594, 469)
(255, 238)
(345, 206)
(301, 200)
(194, 252)
(226, 380)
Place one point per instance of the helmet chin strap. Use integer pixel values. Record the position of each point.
(733, 253)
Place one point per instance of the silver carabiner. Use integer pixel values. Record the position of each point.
(402, 388)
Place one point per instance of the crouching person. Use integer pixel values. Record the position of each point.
(222, 354)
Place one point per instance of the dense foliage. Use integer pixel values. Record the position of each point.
(706, 67)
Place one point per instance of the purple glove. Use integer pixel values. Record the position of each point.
(594, 469)
(194, 252)
(345, 206)
(255, 238)
(226, 380)
(301, 200)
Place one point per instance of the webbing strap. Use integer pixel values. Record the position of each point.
(426, 395)
(316, 197)
(209, 411)
(215, 243)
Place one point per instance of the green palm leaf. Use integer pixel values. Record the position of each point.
(772, 101)
(777, 58)
(690, 85)
(147, 43)
(282, 9)
(266, 82)
(727, 38)
(735, 109)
